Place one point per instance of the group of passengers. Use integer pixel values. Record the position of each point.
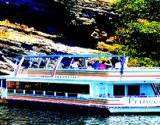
(97, 64)
(100, 65)
(81, 63)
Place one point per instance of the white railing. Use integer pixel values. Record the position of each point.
(149, 68)
(42, 93)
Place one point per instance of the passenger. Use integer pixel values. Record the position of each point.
(102, 66)
(89, 66)
(118, 65)
(61, 66)
(96, 64)
(114, 60)
(108, 65)
(76, 64)
(51, 66)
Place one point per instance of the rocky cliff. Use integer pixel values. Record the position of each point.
(47, 27)
(16, 39)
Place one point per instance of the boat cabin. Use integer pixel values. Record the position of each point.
(81, 77)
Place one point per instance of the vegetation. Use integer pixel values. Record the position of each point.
(138, 29)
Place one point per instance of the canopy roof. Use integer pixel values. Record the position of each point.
(71, 55)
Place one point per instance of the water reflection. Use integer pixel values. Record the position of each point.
(26, 116)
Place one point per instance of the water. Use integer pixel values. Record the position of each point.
(27, 116)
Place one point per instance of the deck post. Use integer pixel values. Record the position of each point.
(1, 83)
(55, 94)
(66, 94)
(1, 89)
(56, 66)
(14, 91)
(34, 92)
(18, 67)
(24, 92)
(44, 93)
(126, 90)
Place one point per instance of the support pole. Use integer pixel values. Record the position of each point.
(24, 92)
(14, 91)
(1, 83)
(55, 94)
(66, 94)
(44, 93)
(34, 92)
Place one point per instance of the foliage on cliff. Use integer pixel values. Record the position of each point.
(139, 30)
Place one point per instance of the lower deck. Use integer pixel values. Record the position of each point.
(96, 90)
(113, 96)
(106, 95)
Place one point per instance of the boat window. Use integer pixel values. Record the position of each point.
(25, 63)
(16, 61)
(34, 62)
(108, 64)
(72, 63)
(79, 63)
(52, 63)
(50, 87)
(65, 63)
(119, 90)
(4, 84)
(99, 64)
(41, 62)
(133, 90)
(115, 62)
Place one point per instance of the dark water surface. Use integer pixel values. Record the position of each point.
(27, 116)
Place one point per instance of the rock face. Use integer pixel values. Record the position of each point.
(16, 39)
(77, 19)
(67, 23)
(86, 17)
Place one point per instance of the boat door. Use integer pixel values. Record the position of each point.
(102, 90)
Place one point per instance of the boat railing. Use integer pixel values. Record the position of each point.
(143, 68)
(53, 95)
(67, 94)
(41, 93)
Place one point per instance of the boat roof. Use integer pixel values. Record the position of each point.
(71, 55)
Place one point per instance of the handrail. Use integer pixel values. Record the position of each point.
(19, 66)
(56, 66)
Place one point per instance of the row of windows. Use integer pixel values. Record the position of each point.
(66, 62)
(119, 90)
(70, 88)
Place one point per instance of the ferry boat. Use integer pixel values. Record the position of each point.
(89, 80)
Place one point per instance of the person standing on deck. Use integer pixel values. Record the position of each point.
(102, 66)
(75, 65)
(96, 65)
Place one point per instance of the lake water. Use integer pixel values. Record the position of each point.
(10, 115)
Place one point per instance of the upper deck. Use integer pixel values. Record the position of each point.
(101, 67)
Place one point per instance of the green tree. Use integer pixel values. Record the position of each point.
(139, 28)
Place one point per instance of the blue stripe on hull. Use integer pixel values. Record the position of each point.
(134, 109)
